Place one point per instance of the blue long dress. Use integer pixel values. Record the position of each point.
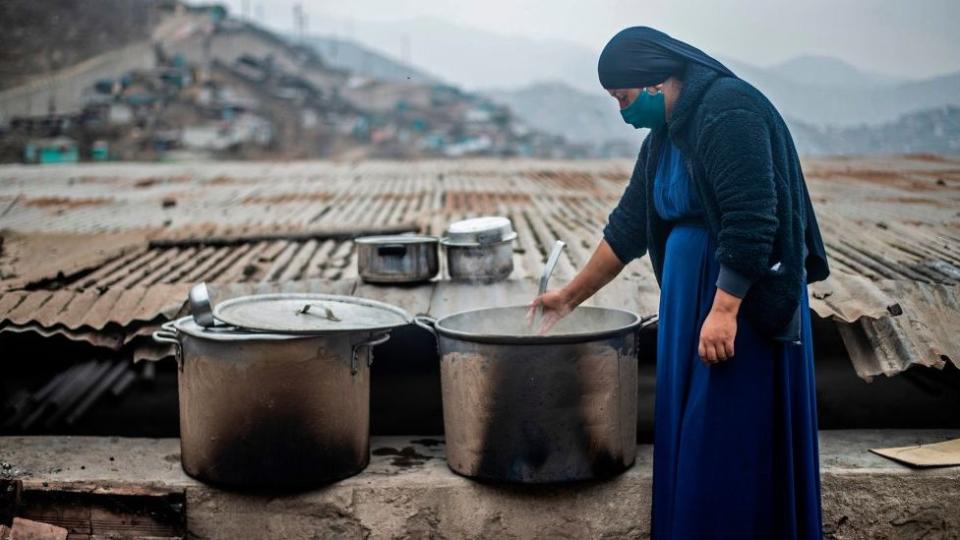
(735, 444)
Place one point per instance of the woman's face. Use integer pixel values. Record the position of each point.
(625, 96)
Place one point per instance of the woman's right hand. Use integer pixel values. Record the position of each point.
(556, 305)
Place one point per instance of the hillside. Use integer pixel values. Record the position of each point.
(362, 60)
(255, 93)
(935, 131)
(200, 84)
(82, 30)
(589, 118)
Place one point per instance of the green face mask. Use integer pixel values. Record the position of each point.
(647, 111)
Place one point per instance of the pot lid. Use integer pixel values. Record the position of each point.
(305, 313)
(189, 326)
(397, 239)
(481, 230)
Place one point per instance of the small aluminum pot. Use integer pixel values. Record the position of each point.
(484, 263)
(272, 410)
(397, 259)
(528, 408)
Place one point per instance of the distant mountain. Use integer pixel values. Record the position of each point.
(826, 71)
(37, 38)
(851, 104)
(556, 107)
(478, 59)
(594, 119)
(363, 60)
(932, 131)
(815, 89)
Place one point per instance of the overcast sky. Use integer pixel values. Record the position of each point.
(909, 39)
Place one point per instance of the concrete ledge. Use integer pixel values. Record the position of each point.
(408, 492)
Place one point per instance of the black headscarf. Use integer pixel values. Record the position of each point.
(640, 56)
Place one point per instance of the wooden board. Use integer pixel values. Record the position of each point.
(25, 529)
(942, 454)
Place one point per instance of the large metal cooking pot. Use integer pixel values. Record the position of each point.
(397, 259)
(274, 409)
(480, 249)
(521, 407)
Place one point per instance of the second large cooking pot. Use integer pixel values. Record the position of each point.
(521, 407)
(283, 408)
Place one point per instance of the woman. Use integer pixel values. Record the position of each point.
(718, 200)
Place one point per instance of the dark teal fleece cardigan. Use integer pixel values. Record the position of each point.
(746, 171)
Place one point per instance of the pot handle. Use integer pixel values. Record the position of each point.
(649, 321)
(489, 237)
(426, 322)
(168, 334)
(429, 324)
(370, 344)
(392, 250)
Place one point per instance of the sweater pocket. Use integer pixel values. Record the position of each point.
(772, 301)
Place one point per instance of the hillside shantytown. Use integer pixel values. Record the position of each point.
(264, 276)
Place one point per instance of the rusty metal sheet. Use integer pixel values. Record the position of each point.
(452, 297)
(105, 338)
(33, 258)
(890, 226)
(642, 296)
(90, 309)
(23, 312)
(160, 300)
(413, 299)
(920, 330)
(10, 300)
(147, 350)
(52, 308)
(94, 307)
(223, 291)
(849, 297)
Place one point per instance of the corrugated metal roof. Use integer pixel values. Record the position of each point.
(891, 226)
(892, 229)
(92, 308)
(889, 325)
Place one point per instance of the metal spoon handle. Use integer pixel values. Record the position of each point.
(545, 276)
(551, 265)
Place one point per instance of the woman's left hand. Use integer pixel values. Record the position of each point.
(719, 329)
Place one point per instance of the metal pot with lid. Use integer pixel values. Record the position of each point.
(279, 396)
(397, 258)
(480, 249)
(529, 408)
